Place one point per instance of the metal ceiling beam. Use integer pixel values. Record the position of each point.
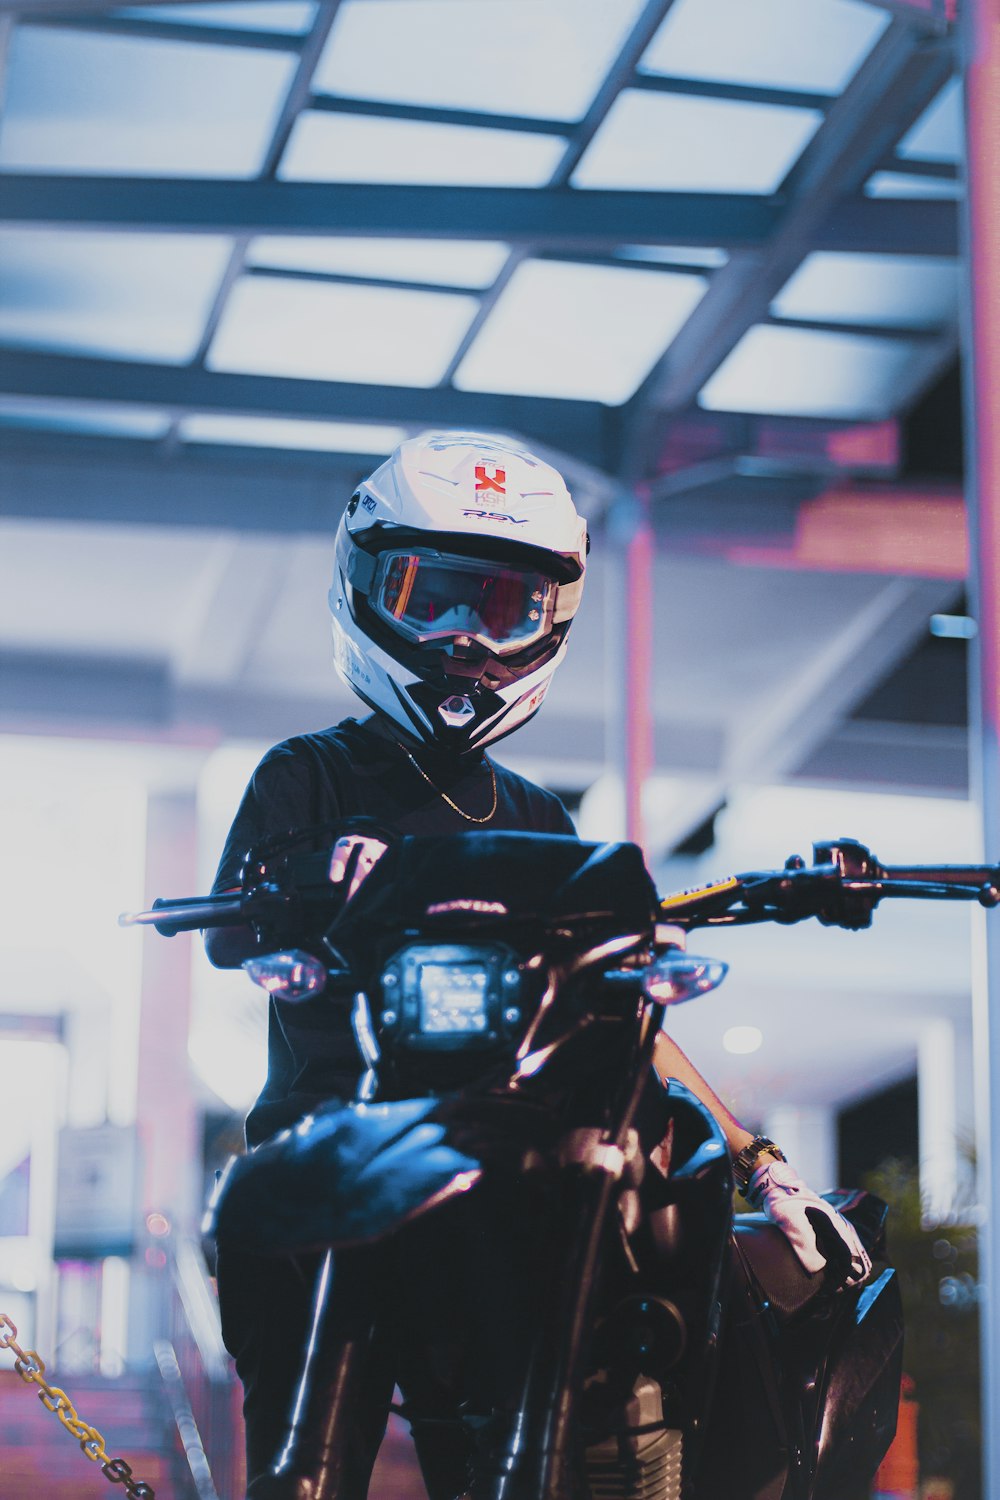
(900, 77)
(890, 226)
(123, 482)
(298, 91)
(430, 114)
(556, 218)
(25, 9)
(582, 429)
(594, 219)
(172, 31)
(74, 477)
(932, 16)
(742, 93)
(618, 75)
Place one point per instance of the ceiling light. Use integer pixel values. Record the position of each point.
(742, 1039)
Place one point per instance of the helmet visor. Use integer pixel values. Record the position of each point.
(428, 596)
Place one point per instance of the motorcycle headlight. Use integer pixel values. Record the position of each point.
(454, 998)
(444, 996)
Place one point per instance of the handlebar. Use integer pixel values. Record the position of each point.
(841, 888)
(188, 913)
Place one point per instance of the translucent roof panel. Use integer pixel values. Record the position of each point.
(912, 291)
(80, 102)
(938, 134)
(816, 46)
(681, 143)
(543, 58)
(325, 331)
(134, 296)
(437, 262)
(910, 185)
(83, 417)
(278, 432)
(591, 332)
(285, 17)
(355, 148)
(803, 373)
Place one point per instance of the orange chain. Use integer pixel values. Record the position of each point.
(32, 1371)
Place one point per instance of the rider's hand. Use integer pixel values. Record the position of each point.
(816, 1232)
(370, 851)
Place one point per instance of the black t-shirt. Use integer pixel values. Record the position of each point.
(354, 770)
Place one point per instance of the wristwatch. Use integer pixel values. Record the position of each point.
(745, 1162)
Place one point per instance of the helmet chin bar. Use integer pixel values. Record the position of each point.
(454, 711)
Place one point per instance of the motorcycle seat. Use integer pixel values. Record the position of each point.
(770, 1261)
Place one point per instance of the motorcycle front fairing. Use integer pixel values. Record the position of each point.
(345, 1175)
(540, 880)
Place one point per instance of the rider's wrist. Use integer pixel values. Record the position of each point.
(747, 1161)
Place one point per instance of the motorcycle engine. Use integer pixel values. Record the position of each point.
(640, 1458)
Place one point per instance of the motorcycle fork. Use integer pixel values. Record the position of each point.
(339, 1414)
(540, 1460)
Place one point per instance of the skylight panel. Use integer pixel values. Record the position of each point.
(882, 290)
(804, 373)
(681, 143)
(324, 331)
(591, 332)
(131, 296)
(542, 58)
(911, 185)
(938, 134)
(82, 417)
(355, 148)
(467, 263)
(81, 102)
(283, 17)
(282, 432)
(817, 46)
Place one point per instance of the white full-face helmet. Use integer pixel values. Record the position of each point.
(459, 567)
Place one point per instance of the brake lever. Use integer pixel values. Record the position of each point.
(841, 888)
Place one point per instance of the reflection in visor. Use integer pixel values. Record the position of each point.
(425, 597)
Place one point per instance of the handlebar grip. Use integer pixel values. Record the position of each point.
(974, 875)
(188, 914)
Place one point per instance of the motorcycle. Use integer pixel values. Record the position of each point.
(515, 1217)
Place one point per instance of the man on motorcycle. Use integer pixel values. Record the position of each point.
(459, 566)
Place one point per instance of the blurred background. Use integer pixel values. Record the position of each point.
(704, 256)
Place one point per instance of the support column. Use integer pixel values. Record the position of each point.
(808, 1137)
(981, 225)
(629, 612)
(165, 1106)
(938, 1119)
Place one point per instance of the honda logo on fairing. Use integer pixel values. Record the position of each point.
(487, 908)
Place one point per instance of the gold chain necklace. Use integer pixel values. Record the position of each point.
(469, 817)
